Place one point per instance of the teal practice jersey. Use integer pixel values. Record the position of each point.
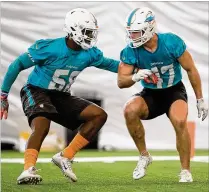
(56, 65)
(163, 62)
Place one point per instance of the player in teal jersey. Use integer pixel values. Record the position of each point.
(46, 96)
(159, 58)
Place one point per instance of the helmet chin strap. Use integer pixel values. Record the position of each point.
(82, 45)
(72, 44)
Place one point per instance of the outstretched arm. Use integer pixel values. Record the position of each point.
(99, 61)
(107, 64)
(21, 63)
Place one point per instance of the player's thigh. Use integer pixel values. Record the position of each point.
(153, 103)
(136, 106)
(178, 106)
(93, 111)
(70, 109)
(178, 112)
(36, 103)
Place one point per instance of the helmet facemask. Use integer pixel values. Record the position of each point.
(85, 37)
(141, 36)
(89, 37)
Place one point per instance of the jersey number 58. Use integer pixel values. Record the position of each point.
(60, 80)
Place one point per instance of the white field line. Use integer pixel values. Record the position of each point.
(111, 159)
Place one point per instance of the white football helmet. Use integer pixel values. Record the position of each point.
(81, 25)
(140, 26)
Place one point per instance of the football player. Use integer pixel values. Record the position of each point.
(160, 58)
(46, 96)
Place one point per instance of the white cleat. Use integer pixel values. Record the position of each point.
(140, 170)
(29, 176)
(65, 165)
(185, 176)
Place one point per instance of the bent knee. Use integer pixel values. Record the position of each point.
(131, 111)
(179, 120)
(136, 107)
(103, 115)
(180, 124)
(100, 115)
(40, 125)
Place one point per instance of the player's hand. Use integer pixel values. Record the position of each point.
(141, 75)
(146, 75)
(4, 105)
(202, 109)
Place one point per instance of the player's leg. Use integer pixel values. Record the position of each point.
(36, 113)
(141, 107)
(91, 118)
(40, 128)
(94, 118)
(135, 110)
(177, 114)
(178, 117)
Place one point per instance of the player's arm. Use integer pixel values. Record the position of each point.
(187, 63)
(128, 75)
(107, 64)
(21, 63)
(99, 61)
(125, 75)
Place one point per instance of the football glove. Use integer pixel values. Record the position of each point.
(4, 105)
(146, 75)
(202, 109)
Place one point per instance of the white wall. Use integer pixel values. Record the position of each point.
(24, 22)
